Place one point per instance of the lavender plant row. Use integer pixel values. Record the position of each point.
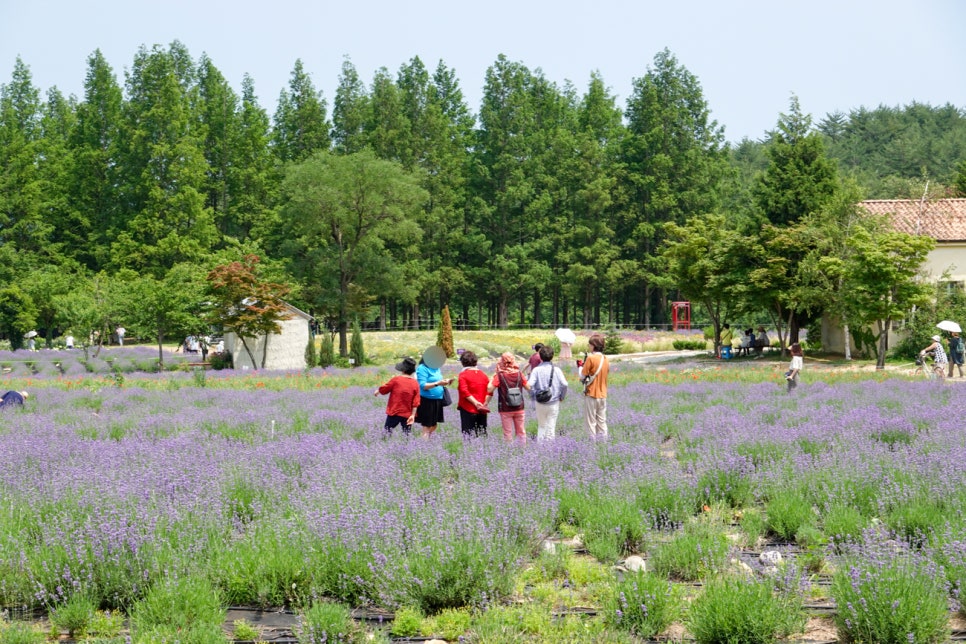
(47, 363)
(283, 496)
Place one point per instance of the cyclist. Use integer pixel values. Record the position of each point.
(938, 354)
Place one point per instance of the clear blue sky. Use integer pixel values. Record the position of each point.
(749, 56)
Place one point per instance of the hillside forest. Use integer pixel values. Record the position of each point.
(546, 204)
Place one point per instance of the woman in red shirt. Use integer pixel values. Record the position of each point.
(403, 393)
(472, 390)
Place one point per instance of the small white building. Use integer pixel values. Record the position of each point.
(283, 350)
(942, 219)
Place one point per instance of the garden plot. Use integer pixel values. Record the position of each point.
(163, 497)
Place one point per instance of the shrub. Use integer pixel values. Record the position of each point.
(444, 337)
(496, 625)
(891, 597)
(219, 361)
(612, 526)
(843, 523)
(20, 633)
(74, 615)
(450, 624)
(357, 352)
(738, 609)
(194, 634)
(326, 623)
(690, 555)
(311, 354)
(644, 604)
(186, 604)
(244, 631)
(106, 624)
(613, 344)
(787, 512)
(326, 350)
(406, 622)
(917, 519)
(689, 344)
(729, 484)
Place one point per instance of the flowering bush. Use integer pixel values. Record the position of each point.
(645, 604)
(891, 594)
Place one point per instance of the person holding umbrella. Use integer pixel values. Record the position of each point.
(567, 339)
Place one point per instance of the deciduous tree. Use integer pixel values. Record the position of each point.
(247, 305)
(341, 211)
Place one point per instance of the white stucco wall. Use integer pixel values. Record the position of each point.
(946, 262)
(949, 257)
(286, 350)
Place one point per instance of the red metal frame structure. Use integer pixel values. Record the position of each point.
(681, 315)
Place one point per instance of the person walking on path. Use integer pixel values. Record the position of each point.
(120, 331)
(430, 411)
(509, 382)
(403, 400)
(938, 354)
(472, 386)
(593, 374)
(798, 361)
(957, 353)
(549, 378)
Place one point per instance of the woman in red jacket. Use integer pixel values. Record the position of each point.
(472, 392)
(403, 393)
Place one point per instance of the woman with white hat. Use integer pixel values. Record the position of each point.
(938, 354)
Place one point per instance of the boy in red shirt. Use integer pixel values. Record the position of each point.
(403, 393)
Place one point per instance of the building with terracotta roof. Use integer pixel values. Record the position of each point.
(942, 219)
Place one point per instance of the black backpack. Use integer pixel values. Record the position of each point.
(544, 395)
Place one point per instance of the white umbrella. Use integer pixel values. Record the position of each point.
(30, 334)
(949, 325)
(566, 336)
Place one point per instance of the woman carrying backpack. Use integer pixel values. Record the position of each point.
(509, 382)
(957, 353)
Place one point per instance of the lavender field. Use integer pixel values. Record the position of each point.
(282, 491)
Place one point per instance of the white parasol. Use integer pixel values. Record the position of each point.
(566, 336)
(30, 334)
(949, 325)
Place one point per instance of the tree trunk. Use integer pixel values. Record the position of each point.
(265, 350)
(249, 352)
(848, 345)
(502, 317)
(343, 344)
(883, 343)
(382, 316)
(647, 306)
(160, 351)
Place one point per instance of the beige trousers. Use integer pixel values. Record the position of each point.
(595, 416)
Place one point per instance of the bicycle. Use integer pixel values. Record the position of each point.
(929, 372)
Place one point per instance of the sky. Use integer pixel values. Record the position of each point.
(749, 57)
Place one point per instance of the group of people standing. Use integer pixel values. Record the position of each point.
(419, 394)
